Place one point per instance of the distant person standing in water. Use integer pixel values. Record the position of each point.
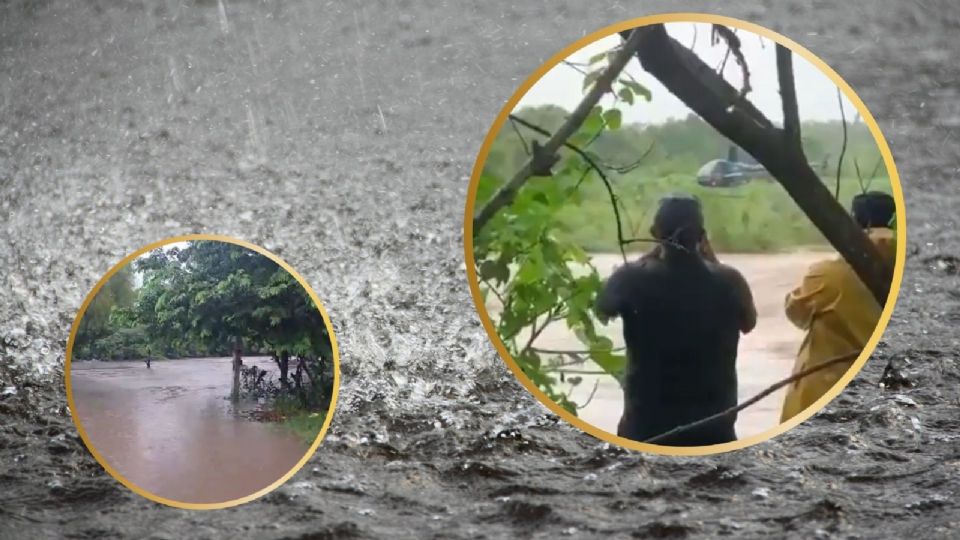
(682, 314)
(835, 309)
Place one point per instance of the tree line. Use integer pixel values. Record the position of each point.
(681, 146)
(645, 161)
(205, 299)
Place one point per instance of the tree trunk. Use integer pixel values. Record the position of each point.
(720, 105)
(284, 367)
(237, 362)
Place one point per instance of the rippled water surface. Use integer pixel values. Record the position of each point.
(171, 431)
(127, 122)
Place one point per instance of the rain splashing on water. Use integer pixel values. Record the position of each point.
(222, 12)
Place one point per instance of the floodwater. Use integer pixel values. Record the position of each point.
(765, 356)
(172, 431)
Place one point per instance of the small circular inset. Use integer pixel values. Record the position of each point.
(202, 371)
(685, 234)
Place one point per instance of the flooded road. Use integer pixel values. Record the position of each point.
(172, 431)
(765, 356)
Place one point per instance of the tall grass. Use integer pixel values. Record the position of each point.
(305, 424)
(758, 216)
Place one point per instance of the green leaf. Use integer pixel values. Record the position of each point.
(594, 121)
(494, 271)
(591, 78)
(597, 57)
(626, 95)
(613, 118)
(637, 88)
(614, 364)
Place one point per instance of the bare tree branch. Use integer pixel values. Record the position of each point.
(685, 75)
(788, 95)
(596, 385)
(624, 169)
(536, 331)
(495, 292)
(733, 46)
(873, 174)
(581, 372)
(843, 147)
(505, 195)
(574, 66)
(769, 390)
(573, 352)
(856, 167)
(526, 149)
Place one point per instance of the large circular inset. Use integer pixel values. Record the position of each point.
(202, 371)
(750, 300)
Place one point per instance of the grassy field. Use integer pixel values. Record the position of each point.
(756, 217)
(306, 424)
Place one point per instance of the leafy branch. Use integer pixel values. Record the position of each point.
(542, 161)
(593, 165)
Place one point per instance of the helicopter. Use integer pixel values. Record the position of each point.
(733, 171)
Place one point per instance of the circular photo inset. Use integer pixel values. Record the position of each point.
(202, 372)
(685, 234)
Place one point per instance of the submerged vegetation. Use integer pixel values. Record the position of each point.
(212, 298)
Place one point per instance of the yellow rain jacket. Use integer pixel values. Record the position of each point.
(838, 314)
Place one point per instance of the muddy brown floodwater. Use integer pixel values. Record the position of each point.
(172, 431)
(766, 355)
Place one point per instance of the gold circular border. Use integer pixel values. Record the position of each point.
(884, 152)
(310, 451)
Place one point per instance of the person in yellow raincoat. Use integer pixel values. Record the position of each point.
(835, 309)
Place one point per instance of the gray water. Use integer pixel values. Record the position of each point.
(102, 151)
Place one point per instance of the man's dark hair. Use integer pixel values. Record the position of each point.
(873, 209)
(679, 220)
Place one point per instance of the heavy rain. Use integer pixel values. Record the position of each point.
(126, 122)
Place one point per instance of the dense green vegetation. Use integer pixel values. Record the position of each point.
(208, 299)
(756, 217)
(305, 423)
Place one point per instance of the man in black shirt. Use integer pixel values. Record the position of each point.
(682, 314)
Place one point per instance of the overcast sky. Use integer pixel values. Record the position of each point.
(816, 93)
